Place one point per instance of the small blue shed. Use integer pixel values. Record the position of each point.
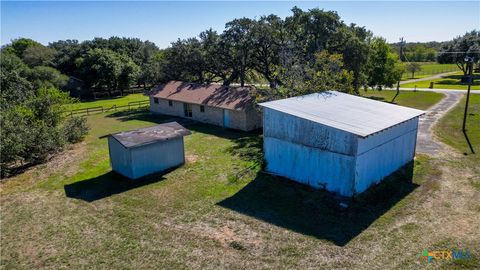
(336, 141)
(148, 150)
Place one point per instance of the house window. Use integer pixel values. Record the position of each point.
(170, 103)
(202, 108)
(155, 100)
(187, 109)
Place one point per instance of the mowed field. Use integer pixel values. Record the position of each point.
(429, 69)
(220, 210)
(107, 102)
(420, 100)
(451, 81)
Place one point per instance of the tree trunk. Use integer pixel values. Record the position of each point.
(273, 84)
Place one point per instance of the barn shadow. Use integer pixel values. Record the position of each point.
(317, 213)
(106, 185)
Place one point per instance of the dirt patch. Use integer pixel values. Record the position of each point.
(191, 158)
(66, 163)
(229, 234)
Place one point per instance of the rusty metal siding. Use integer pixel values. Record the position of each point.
(157, 157)
(120, 157)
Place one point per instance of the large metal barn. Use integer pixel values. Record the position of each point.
(336, 141)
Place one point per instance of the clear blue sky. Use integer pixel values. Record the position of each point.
(164, 22)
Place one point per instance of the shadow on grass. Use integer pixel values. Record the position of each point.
(106, 185)
(376, 98)
(317, 213)
(457, 80)
(248, 148)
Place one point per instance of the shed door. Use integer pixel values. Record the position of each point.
(226, 118)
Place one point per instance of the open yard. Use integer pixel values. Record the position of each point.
(419, 99)
(220, 211)
(429, 69)
(453, 123)
(107, 102)
(447, 82)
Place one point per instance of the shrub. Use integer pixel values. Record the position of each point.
(75, 129)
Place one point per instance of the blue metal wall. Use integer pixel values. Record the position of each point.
(120, 158)
(384, 153)
(157, 157)
(324, 157)
(311, 166)
(146, 159)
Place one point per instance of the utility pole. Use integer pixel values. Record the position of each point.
(469, 61)
(402, 41)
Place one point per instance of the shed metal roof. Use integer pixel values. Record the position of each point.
(350, 113)
(153, 134)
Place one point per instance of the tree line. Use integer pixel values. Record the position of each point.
(31, 103)
(307, 51)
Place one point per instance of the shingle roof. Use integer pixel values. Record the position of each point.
(153, 134)
(354, 114)
(214, 95)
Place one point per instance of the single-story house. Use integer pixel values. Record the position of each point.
(336, 141)
(149, 150)
(230, 107)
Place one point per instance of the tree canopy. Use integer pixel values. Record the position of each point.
(459, 48)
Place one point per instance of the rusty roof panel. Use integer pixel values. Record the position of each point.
(153, 134)
(214, 95)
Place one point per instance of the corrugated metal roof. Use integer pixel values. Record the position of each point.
(354, 114)
(214, 95)
(148, 135)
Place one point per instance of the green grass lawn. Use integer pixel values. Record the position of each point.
(429, 69)
(453, 123)
(448, 82)
(219, 210)
(107, 102)
(419, 99)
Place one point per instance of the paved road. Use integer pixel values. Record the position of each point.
(436, 76)
(425, 140)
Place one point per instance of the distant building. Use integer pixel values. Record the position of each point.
(336, 141)
(148, 150)
(230, 107)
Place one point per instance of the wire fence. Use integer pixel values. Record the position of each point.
(101, 109)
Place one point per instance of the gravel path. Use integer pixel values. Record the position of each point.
(425, 140)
